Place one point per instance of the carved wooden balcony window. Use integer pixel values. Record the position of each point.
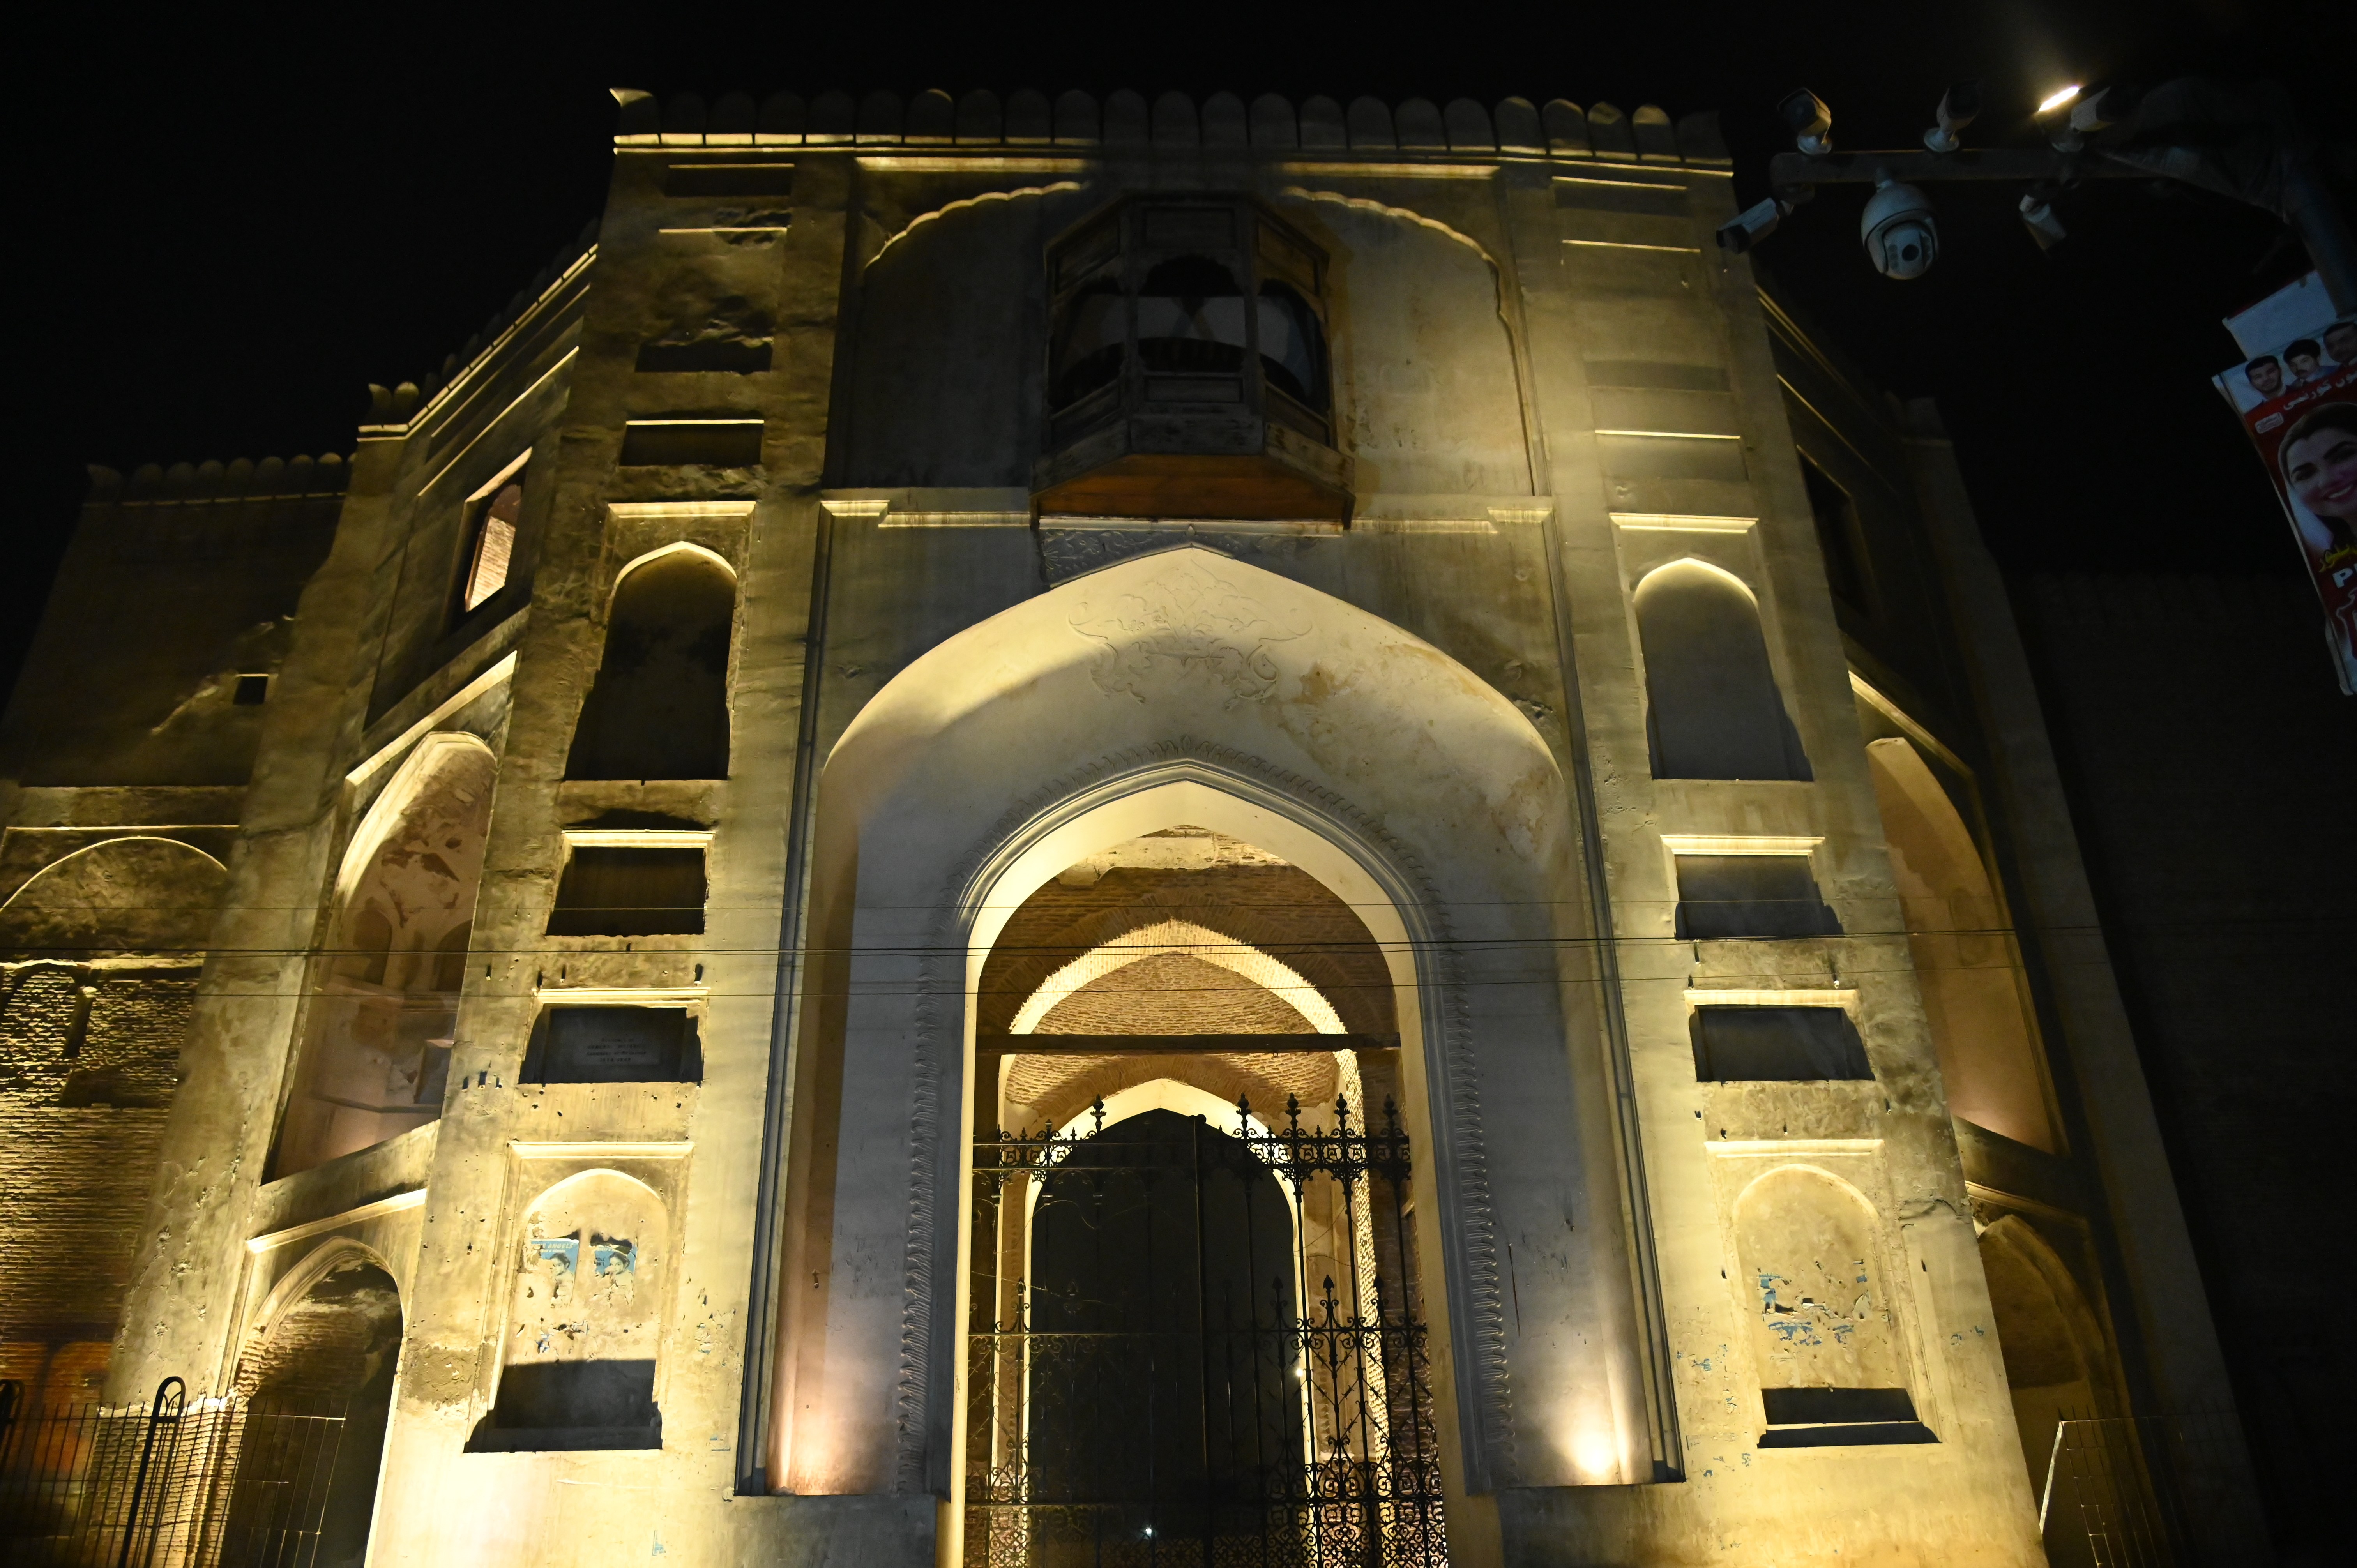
(1187, 372)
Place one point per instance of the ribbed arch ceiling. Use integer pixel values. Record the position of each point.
(1140, 957)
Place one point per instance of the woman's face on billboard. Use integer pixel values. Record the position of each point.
(2321, 467)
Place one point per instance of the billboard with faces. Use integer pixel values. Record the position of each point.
(2296, 394)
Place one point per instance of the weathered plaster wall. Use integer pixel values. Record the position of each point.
(320, 761)
(1555, 385)
(206, 564)
(501, 1145)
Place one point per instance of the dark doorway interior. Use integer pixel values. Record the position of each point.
(319, 1394)
(1164, 1374)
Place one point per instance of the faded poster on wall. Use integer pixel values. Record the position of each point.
(2296, 394)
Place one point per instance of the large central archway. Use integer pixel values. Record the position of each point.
(1189, 691)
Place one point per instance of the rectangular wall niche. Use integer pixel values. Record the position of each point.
(729, 180)
(1776, 1045)
(613, 1045)
(1643, 454)
(1840, 1418)
(630, 893)
(681, 443)
(1749, 895)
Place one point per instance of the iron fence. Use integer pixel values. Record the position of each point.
(210, 1483)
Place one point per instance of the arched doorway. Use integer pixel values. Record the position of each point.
(2058, 1373)
(1197, 1327)
(1162, 1265)
(318, 1394)
(1188, 690)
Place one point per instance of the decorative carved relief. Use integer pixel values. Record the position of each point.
(1189, 615)
(1067, 552)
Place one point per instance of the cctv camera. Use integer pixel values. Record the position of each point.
(2101, 111)
(1811, 122)
(1958, 107)
(1897, 228)
(2091, 113)
(2037, 217)
(1752, 225)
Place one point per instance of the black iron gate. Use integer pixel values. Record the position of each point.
(1197, 1348)
(214, 1483)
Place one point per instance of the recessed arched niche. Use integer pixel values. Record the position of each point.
(135, 894)
(1427, 393)
(659, 707)
(1826, 1343)
(1965, 956)
(376, 1051)
(2058, 1363)
(946, 390)
(588, 1284)
(321, 1368)
(1711, 706)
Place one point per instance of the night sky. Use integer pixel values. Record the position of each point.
(228, 232)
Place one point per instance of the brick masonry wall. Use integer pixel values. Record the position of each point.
(89, 1059)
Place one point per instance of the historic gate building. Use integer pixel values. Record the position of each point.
(1071, 833)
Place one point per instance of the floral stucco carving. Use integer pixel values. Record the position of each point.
(1188, 613)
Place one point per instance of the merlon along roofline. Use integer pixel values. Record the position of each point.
(213, 480)
(1175, 121)
(396, 407)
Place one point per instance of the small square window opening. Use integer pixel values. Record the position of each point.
(253, 691)
(494, 544)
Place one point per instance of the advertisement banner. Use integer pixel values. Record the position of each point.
(2297, 396)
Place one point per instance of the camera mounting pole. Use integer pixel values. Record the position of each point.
(2237, 142)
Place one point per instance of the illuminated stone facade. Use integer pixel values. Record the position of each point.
(940, 594)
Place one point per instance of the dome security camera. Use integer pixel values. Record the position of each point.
(1901, 238)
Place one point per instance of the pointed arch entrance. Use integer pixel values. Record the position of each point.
(1186, 694)
(1197, 1318)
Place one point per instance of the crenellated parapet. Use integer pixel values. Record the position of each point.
(1514, 127)
(238, 479)
(396, 405)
